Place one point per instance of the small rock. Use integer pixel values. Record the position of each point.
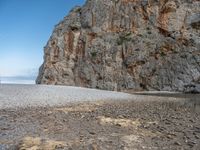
(92, 147)
(92, 133)
(197, 137)
(191, 144)
(177, 143)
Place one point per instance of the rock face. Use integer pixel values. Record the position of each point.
(126, 45)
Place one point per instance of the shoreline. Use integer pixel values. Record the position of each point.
(24, 95)
(143, 121)
(14, 95)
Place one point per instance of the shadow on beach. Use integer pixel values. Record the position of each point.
(191, 101)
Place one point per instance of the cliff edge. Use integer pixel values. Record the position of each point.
(126, 45)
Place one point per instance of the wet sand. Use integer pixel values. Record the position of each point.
(158, 121)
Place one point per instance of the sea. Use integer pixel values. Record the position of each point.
(18, 80)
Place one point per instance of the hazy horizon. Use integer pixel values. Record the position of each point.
(17, 79)
(25, 29)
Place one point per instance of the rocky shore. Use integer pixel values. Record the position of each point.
(156, 121)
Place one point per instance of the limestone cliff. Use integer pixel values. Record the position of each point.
(126, 45)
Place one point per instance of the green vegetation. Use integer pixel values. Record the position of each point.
(93, 54)
(78, 10)
(163, 54)
(196, 25)
(124, 38)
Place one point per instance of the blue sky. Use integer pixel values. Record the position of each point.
(25, 27)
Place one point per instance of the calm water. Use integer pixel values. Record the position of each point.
(17, 80)
(191, 101)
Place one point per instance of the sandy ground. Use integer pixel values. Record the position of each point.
(153, 121)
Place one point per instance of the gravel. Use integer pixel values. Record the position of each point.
(15, 95)
(147, 120)
(107, 125)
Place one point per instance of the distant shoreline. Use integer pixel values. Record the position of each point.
(17, 80)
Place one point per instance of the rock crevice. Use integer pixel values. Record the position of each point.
(126, 45)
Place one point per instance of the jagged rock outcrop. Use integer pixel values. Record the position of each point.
(126, 44)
